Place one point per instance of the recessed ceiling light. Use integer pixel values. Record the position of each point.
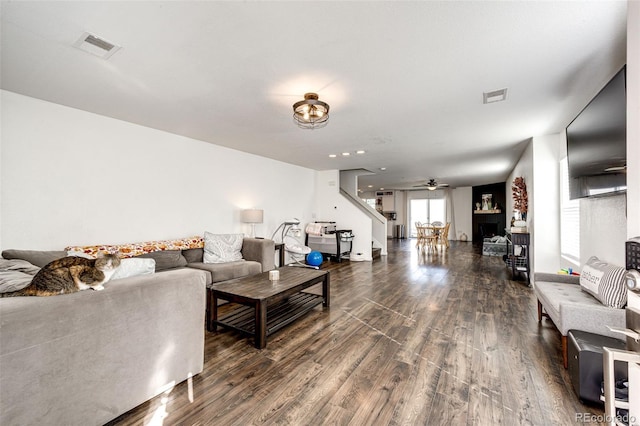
(346, 154)
(332, 156)
(381, 189)
(369, 186)
(494, 96)
(383, 168)
(360, 152)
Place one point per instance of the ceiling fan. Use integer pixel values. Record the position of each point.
(432, 185)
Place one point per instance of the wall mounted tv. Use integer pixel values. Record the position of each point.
(597, 143)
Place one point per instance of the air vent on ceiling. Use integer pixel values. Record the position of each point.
(494, 96)
(95, 45)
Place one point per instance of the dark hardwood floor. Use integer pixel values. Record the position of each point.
(409, 339)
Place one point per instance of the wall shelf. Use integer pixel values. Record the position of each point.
(487, 211)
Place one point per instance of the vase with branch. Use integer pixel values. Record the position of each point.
(520, 198)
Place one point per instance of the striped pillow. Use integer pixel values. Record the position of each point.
(605, 282)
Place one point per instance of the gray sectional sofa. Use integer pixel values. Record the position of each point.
(86, 358)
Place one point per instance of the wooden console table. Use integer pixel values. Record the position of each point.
(267, 306)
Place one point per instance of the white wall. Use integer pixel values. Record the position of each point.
(545, 204)
(462, 199)
(524, 169)
(72, 177)
(633, 119)
(602, 220)
(333, 207)
(603, 229)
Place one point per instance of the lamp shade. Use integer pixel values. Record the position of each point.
(252, 216)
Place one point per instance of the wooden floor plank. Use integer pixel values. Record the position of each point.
(412, 338)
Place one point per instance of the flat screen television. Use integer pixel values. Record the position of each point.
(597, 143)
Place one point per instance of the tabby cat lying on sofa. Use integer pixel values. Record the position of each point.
(69, 275)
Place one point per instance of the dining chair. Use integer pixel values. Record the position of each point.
(430, 241)
(420, 234)
(443, 237)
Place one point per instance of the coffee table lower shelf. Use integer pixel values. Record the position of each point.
(243, 319)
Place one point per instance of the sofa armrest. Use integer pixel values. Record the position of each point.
(145, 332)
(556, 278)
(260, 250)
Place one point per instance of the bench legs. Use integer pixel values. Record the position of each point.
(539, 311)
(565, 355)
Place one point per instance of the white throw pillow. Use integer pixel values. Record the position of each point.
(222, 248)
(604, 282)
(80, 254)
(134, 266)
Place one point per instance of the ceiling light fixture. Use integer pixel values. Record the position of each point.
(311, 113)
(360, 151)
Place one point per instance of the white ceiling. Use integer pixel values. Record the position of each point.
(404, 79)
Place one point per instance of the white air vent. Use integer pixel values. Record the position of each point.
(494, 96)
(95, 45)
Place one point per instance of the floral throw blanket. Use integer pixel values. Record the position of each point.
(136, 249)
(15, 274)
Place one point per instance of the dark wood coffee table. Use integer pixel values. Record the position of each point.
(267, 305)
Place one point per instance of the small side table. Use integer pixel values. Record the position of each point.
(518, 263)
(280, 250)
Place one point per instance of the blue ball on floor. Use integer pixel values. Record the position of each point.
(315, 258)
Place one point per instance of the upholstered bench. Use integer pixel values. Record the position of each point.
(572, 306)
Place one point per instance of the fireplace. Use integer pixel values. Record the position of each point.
(488, 230)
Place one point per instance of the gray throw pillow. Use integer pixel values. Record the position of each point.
(166, 259)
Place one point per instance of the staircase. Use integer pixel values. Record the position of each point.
(375, 252)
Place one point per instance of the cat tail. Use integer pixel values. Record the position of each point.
(27, 291)
(14, 293)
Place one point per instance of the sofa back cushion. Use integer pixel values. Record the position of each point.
(166, 259)
(193, 255)
(605, 282)
(35, 257)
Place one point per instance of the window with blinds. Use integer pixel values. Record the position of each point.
(569, 219)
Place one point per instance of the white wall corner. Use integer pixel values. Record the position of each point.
(633, 119)
(330, 205)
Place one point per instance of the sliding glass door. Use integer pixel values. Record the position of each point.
(426, 211)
